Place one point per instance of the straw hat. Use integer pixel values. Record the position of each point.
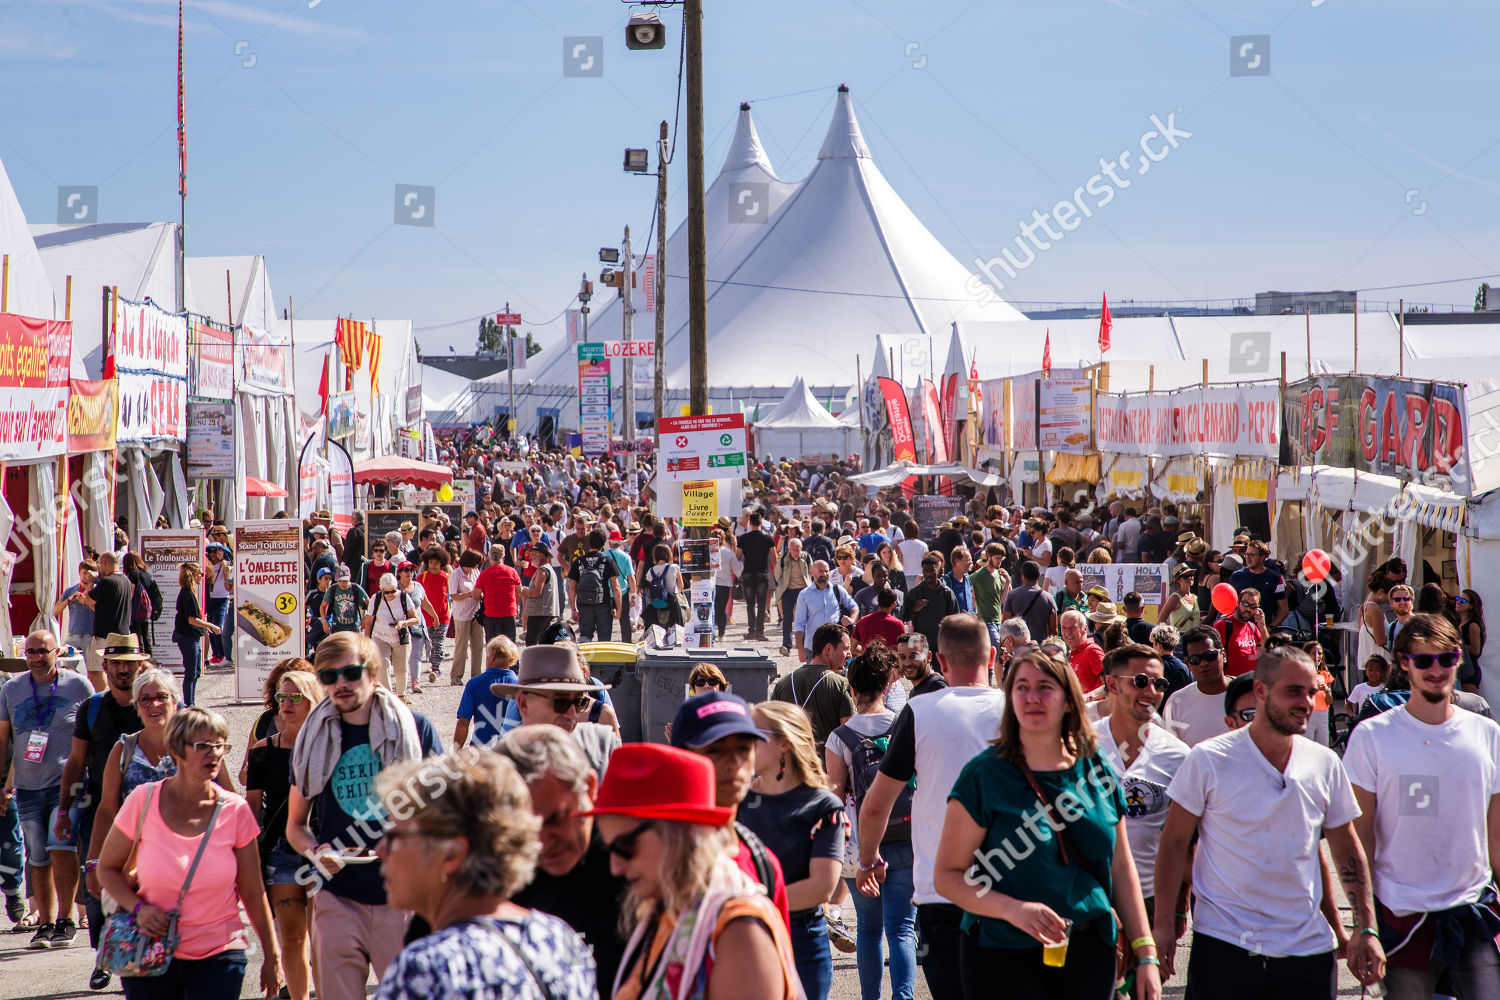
(1105, 614)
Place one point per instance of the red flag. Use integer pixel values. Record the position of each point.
(903, 444)
(323, 387)
(932, 420)
(1047, 355)
(1105, 325)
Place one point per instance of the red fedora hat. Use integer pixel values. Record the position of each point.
(651, 781)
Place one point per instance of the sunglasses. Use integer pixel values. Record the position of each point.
(32, 651)
(1426, 661)
(1209, 657)
(1143, 681)
(296, 698)
(329, 676)
(1245, 715)
(705, 685)
(1460, 600)
(623, 846)
(562, 702)
(212, 746)
(1401, 600)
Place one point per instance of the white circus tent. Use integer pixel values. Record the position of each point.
(799, 285)
(800, 425)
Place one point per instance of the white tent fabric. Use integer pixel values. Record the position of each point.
(441, 389)
(800, 425)
(798, 287)
(30, 286)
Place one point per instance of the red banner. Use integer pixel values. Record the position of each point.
(932, 416)
(895, 408)
(950, 411)
(34, 359)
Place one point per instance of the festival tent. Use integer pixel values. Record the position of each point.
(442, 390)
(800, 425)
(801, 288)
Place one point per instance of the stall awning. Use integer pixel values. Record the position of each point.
(391, 470)
(897, 472)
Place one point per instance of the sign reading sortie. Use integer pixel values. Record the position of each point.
(1242, 421)
(34, 359)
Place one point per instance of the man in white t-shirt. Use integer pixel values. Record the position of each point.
(932, 739)
(1427, 779)
(1143, 752)
(1259, 798)
(1196, 713)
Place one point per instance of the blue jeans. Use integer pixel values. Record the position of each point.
(10, 852)
(810, 952)
(36, 810)
(218, 613)
(192, 658)
(894, 914)
(84, 830)
(994, 630)
(217, 977)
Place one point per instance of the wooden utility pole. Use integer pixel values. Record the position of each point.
(697, 252)
(659, 380)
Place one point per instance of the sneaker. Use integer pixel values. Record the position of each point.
(99, 980)
(839, 935)
(42, 938)
(15, 909)
(786, 651)
(63, 933)
(432, 677)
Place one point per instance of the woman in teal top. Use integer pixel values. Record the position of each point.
(1021, 884)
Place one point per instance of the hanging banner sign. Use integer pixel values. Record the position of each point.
(146, 338)
(903, 443)
(1148, 580)
(648, 281)
(93, 411)
(266, 359)
(1227, 420)
(270, 622)
(210, 440)
(35, 355)
(994, 416)
(413, 403)
(213, 370)
(341, 416)
(629, 348)
(700, 504)
(1409, 430)
(932, 421)
(708, 446)
(165, 550)
(1065, 415)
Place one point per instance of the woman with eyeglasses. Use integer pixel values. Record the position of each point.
(189, 627)
(700, 927)
(456, 859)
(195, 857)
(1044, 928)
(268, 786)
(845, 568)
(706, 677)
(392, 616)
(1471, 629)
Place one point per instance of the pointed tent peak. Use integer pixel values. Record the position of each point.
(745, 149)
(844, 140)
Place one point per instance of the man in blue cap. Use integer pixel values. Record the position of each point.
(717, 725)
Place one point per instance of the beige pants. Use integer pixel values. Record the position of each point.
(348, 940)
(468, 637)
(393, 655)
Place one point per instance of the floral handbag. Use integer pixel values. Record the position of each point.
(125, 949)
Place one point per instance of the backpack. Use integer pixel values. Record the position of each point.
(866, 753)
(759, 856)
(141, 609)
(656, 587)
(591, 570)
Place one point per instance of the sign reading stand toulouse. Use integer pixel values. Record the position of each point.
(270, 622)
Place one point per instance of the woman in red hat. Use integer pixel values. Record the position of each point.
(703, 927)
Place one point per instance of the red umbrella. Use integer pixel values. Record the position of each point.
(391, 470)
(260, 488)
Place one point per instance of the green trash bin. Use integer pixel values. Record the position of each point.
(664, 675)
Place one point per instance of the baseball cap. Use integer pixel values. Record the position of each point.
(342, 573)
(325, 571)
(1237, 687)
(709, 717)
(319, 531)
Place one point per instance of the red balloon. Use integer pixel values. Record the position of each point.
(1315, 565)
(1225, 599)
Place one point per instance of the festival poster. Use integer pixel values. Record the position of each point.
(700, 627)
(269, 620)
(700, 504)
(165, 550)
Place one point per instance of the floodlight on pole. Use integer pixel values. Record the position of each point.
(609, 255)
(637, 161)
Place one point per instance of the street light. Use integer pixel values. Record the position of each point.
(609, 255)
(637, 161)
(645, 31)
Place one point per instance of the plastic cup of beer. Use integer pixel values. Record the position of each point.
(1328, 621)
(1056, 955)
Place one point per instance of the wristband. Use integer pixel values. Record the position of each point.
(138, 904)
(90, 865)
(877, 863)
(1370, 931)
(1181, 916)
(1145, 941)
(1149, 960)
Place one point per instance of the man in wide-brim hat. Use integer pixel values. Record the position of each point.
(553, 688)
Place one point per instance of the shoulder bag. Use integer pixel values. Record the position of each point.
(125, 949)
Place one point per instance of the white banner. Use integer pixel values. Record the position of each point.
(270, 622)
(165, 550)
(1147, 579)
(149, 339)
(1242, 420)
(340, 488)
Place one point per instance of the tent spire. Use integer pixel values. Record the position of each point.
(844, 139)
(745, 149)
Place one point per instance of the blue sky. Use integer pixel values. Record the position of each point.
(1368, 157)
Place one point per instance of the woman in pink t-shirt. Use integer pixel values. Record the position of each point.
(165, 823)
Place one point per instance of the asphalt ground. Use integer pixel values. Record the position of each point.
(63, 973)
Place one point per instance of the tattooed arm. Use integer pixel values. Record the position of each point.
(1366, 957)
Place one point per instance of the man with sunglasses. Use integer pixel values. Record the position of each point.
(552, 689)
(1403, 607)
(360, 729)
(1243, 634)
(1196, 712)
(1427, 778)
(38, 712)
(1144, 753)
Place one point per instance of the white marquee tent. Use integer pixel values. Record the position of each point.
(800, 425)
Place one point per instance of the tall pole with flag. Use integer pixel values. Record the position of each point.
(1047, 355)
(1106, 324)
(181, 176)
